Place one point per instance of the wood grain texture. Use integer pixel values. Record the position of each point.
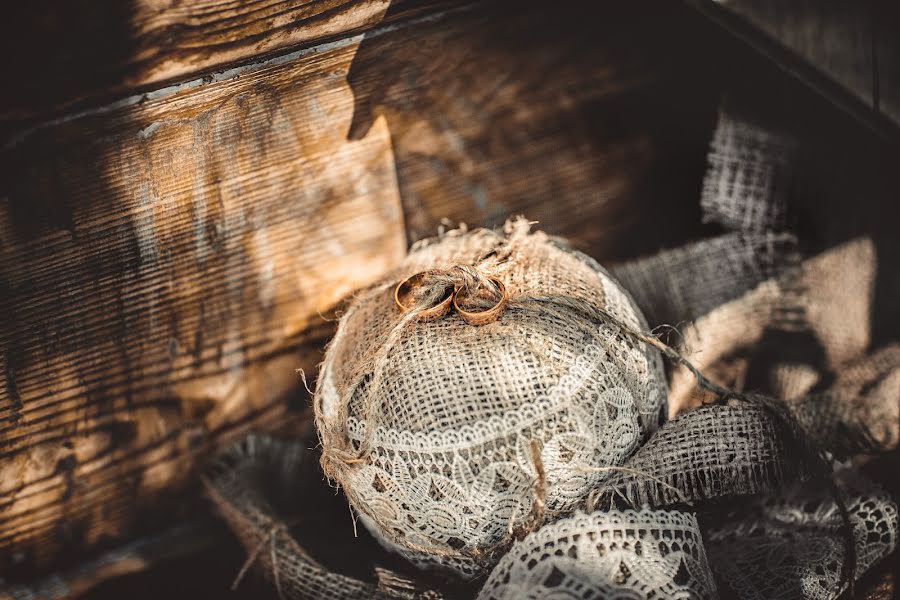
(62, 52)
(571, 118)
(164, 270)
(856, 43)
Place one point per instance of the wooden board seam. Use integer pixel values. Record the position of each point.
(293, 53)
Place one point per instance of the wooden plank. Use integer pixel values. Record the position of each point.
(162, 268)
(837, 37)
(886, 29)
(593, 121)
(66, 51)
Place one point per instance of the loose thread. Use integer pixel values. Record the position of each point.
(302, 374)
(638, 472)
(539, 506)
(253, 556)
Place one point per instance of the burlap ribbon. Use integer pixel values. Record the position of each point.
(241, 485)
(771, 525)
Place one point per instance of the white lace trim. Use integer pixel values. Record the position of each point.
(583, 373)
(617, 554)
(468, 488)
(790, 547)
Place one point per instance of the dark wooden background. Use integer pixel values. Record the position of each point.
(853, 42)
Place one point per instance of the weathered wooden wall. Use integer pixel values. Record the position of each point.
(66, 53)
(165, 257)
(559, 115)
(162, 265)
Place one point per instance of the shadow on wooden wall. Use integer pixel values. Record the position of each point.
(165, 262)
(572, 116)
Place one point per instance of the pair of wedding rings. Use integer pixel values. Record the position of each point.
(451, 300)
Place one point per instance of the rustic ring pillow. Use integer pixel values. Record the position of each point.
(454, 431)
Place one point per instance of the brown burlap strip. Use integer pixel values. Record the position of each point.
(685, 283)
(707, 453)
(242, 486)
(748, 179)
(822, 304)
(860, 411)
(744, 190)
(710, 342)
(850, 409)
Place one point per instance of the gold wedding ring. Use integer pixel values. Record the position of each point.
(429, 314)
(483, 317)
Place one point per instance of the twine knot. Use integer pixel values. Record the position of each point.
(476, 296)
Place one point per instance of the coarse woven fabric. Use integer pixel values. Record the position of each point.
(800, 332)
(704, 454)
(651, 554)
(682, 284)
(748, 179)
(724, 294)
(845, 394)
(241, 485)
(744, 190)
(448, 438)
(789, 546)
(860, 411)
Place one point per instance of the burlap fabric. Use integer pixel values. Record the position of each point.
(512, 429)
(860, 411)
(243, 486)
(449, 438)
(748, 178)
(682, 284)
(795, 327)
(724, 294)
(705, 454)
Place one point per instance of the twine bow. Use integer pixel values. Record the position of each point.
(435, 293)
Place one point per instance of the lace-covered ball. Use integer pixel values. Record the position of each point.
(449, 437)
